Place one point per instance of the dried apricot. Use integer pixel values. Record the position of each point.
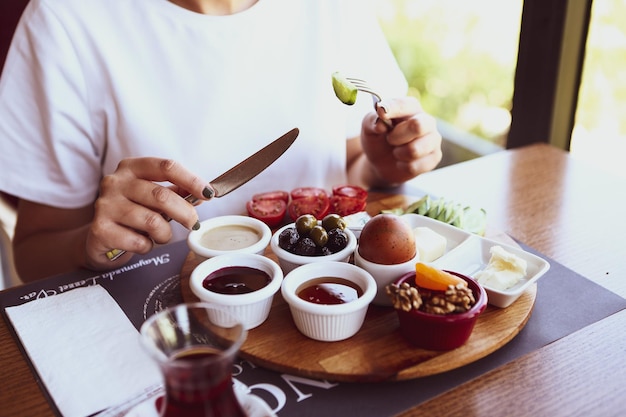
(432, 278)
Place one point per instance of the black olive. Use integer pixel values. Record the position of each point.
(305, 247)
(324, 251)
(288, 238)
(337, 240)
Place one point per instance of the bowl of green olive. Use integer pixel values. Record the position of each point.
(309, 240)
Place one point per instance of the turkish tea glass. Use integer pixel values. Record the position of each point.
(195, 345)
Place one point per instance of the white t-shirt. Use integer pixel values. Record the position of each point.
(88, 83)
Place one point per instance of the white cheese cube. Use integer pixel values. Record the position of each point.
(430, 244)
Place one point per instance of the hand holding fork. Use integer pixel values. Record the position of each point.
(346, 90)
(413, 143)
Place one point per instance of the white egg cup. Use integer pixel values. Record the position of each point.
(384, 274)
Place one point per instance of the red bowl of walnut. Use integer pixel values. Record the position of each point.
(437, 319)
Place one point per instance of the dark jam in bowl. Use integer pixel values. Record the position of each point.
(329, 290)
(236, 280)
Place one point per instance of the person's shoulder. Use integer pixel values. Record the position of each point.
(81, 15)
(63, 8)
(61, 5)
(80, 7)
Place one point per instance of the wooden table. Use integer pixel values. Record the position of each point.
(572, 213)
(540, 195)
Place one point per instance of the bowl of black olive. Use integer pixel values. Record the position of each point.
(309, 240)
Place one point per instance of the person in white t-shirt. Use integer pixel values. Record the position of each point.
(110, 110)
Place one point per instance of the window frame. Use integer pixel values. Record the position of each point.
(553, 37)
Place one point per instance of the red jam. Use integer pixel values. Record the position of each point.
(329, 290)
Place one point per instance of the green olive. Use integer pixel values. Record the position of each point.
(319, 235)
(334, 221)
(305, 223)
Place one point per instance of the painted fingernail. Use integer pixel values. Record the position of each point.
(387, 122)
(208, 192)
(196, 226)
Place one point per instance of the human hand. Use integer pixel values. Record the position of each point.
(132, 211)
(406, 147)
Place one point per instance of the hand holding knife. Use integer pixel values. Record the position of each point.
(240, 173)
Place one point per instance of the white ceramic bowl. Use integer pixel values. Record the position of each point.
(474, 255)
(288, 261)
(226, 234)
(252, 308)
(384, 275)
(328, 322)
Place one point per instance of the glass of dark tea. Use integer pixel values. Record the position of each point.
(195, 345)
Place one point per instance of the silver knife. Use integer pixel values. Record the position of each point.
(240, 173)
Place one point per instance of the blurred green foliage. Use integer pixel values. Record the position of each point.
(602, 97)
(460, 65)
(459, 58)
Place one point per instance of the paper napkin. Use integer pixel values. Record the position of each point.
(85, 350)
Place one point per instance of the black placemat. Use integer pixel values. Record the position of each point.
(566, 302)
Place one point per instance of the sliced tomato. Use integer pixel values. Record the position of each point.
(270, 212)
(353, 191)
(302, 192)
(316, 205)
(272, 195)
(345, 206)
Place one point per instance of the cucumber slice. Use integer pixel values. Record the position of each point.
(415, 207)
(450, 211)
(468, 218)
(475, 220)
(460, 220)
(425, 207)
(344, 89)
(456, 212)
(443, 212)
(436, 208)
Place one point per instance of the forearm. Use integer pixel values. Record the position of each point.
(49, 240)
(42, 255)
(361, 172)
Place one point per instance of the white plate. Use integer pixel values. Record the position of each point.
(467, 253)
(454, 236)
(473, 256)
(356, 221)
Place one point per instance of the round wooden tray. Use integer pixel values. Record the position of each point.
(377, 352)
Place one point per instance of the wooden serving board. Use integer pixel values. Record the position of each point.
(377, 352)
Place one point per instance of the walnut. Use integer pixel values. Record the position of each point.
(454, 300)
(404, 297)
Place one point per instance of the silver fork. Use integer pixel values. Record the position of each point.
(364, 86)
